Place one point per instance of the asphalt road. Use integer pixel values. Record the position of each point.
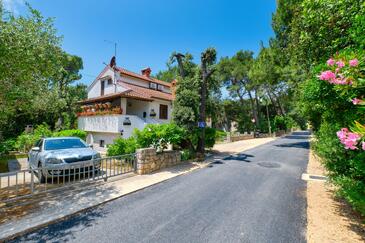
(256, 196)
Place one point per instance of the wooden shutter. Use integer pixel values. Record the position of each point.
(163, 112)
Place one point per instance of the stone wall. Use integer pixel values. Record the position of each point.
(148, 160)
(241, 137)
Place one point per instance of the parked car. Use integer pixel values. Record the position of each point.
(52, 157)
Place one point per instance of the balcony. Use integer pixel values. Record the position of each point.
(113, 123)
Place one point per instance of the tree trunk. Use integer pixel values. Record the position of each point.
(257, 109)
(277, 110)
(202, 109)
(179, 58)
(253, 108)
(279, 103)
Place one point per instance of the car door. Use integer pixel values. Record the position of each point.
(34, 155)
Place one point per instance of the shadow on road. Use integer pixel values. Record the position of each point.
(240, 157)
(63, 231)
(304, 145)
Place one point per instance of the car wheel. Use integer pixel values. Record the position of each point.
(41, 177)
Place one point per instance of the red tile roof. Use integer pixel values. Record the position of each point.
(147, 92)
(125, 94)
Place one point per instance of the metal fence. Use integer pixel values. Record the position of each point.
(25, 183)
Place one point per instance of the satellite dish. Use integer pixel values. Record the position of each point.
(112, 62)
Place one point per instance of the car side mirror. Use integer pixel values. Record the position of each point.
(91, 146)
(36, 149)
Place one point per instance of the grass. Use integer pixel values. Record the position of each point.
(4, 160)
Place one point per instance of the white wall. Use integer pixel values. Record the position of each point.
(95, 88)
(156, 106)
(105, 123)
(142, 83)
(137, 107)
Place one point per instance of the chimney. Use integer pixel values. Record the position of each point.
(146, 72)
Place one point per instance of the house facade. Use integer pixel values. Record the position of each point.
(119, 101)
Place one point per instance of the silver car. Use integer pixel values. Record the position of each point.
(53, 156)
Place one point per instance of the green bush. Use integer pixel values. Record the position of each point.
(220, 135)
(210, 137)
(7, 146)
(284, 123)
(160, 135)
(71, 133)
(279, 123)
(329, 108)
(122, 146)
(25, 141)
(187, 154)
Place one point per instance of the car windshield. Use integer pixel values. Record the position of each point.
(63, 143)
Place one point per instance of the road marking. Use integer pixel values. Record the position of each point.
(310, 177)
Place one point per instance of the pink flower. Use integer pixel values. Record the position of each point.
(327, 75)
(330, 62)
(339, 81)
(356, 101)
(349, 139)
(340, 64)
(354, 62)
(363, 145)
(337, 70)
(345, 129)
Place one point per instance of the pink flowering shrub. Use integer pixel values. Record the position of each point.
(347, 73)
(349, 139)
(342, 72)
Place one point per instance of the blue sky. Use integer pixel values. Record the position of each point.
(148, 31)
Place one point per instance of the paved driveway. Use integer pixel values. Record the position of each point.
(256, 196)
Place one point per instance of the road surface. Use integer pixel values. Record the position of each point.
(255, 196)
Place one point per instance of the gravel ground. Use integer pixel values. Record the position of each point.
(329, 219)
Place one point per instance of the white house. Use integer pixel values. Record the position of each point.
(119, 101)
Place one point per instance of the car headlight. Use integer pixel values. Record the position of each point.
(54, 161)
(97, 156)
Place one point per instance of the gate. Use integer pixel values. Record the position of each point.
(25, 183)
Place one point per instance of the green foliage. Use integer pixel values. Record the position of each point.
(210, 137)
(122, 146)
(220, 135)
(346, 168)
(25, 141)
(321, 28)
(71, 133)
(329, 108)
(7, 146)
(34, 73)
(187, 154)
(160, 135)
(284, 123)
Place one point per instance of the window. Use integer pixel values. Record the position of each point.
(110, 81)
(163, 112)
(63, 143)
(102, 88)
(159, 87)
(102, 143)
(153, 85)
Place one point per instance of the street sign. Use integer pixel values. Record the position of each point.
(201, 124)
